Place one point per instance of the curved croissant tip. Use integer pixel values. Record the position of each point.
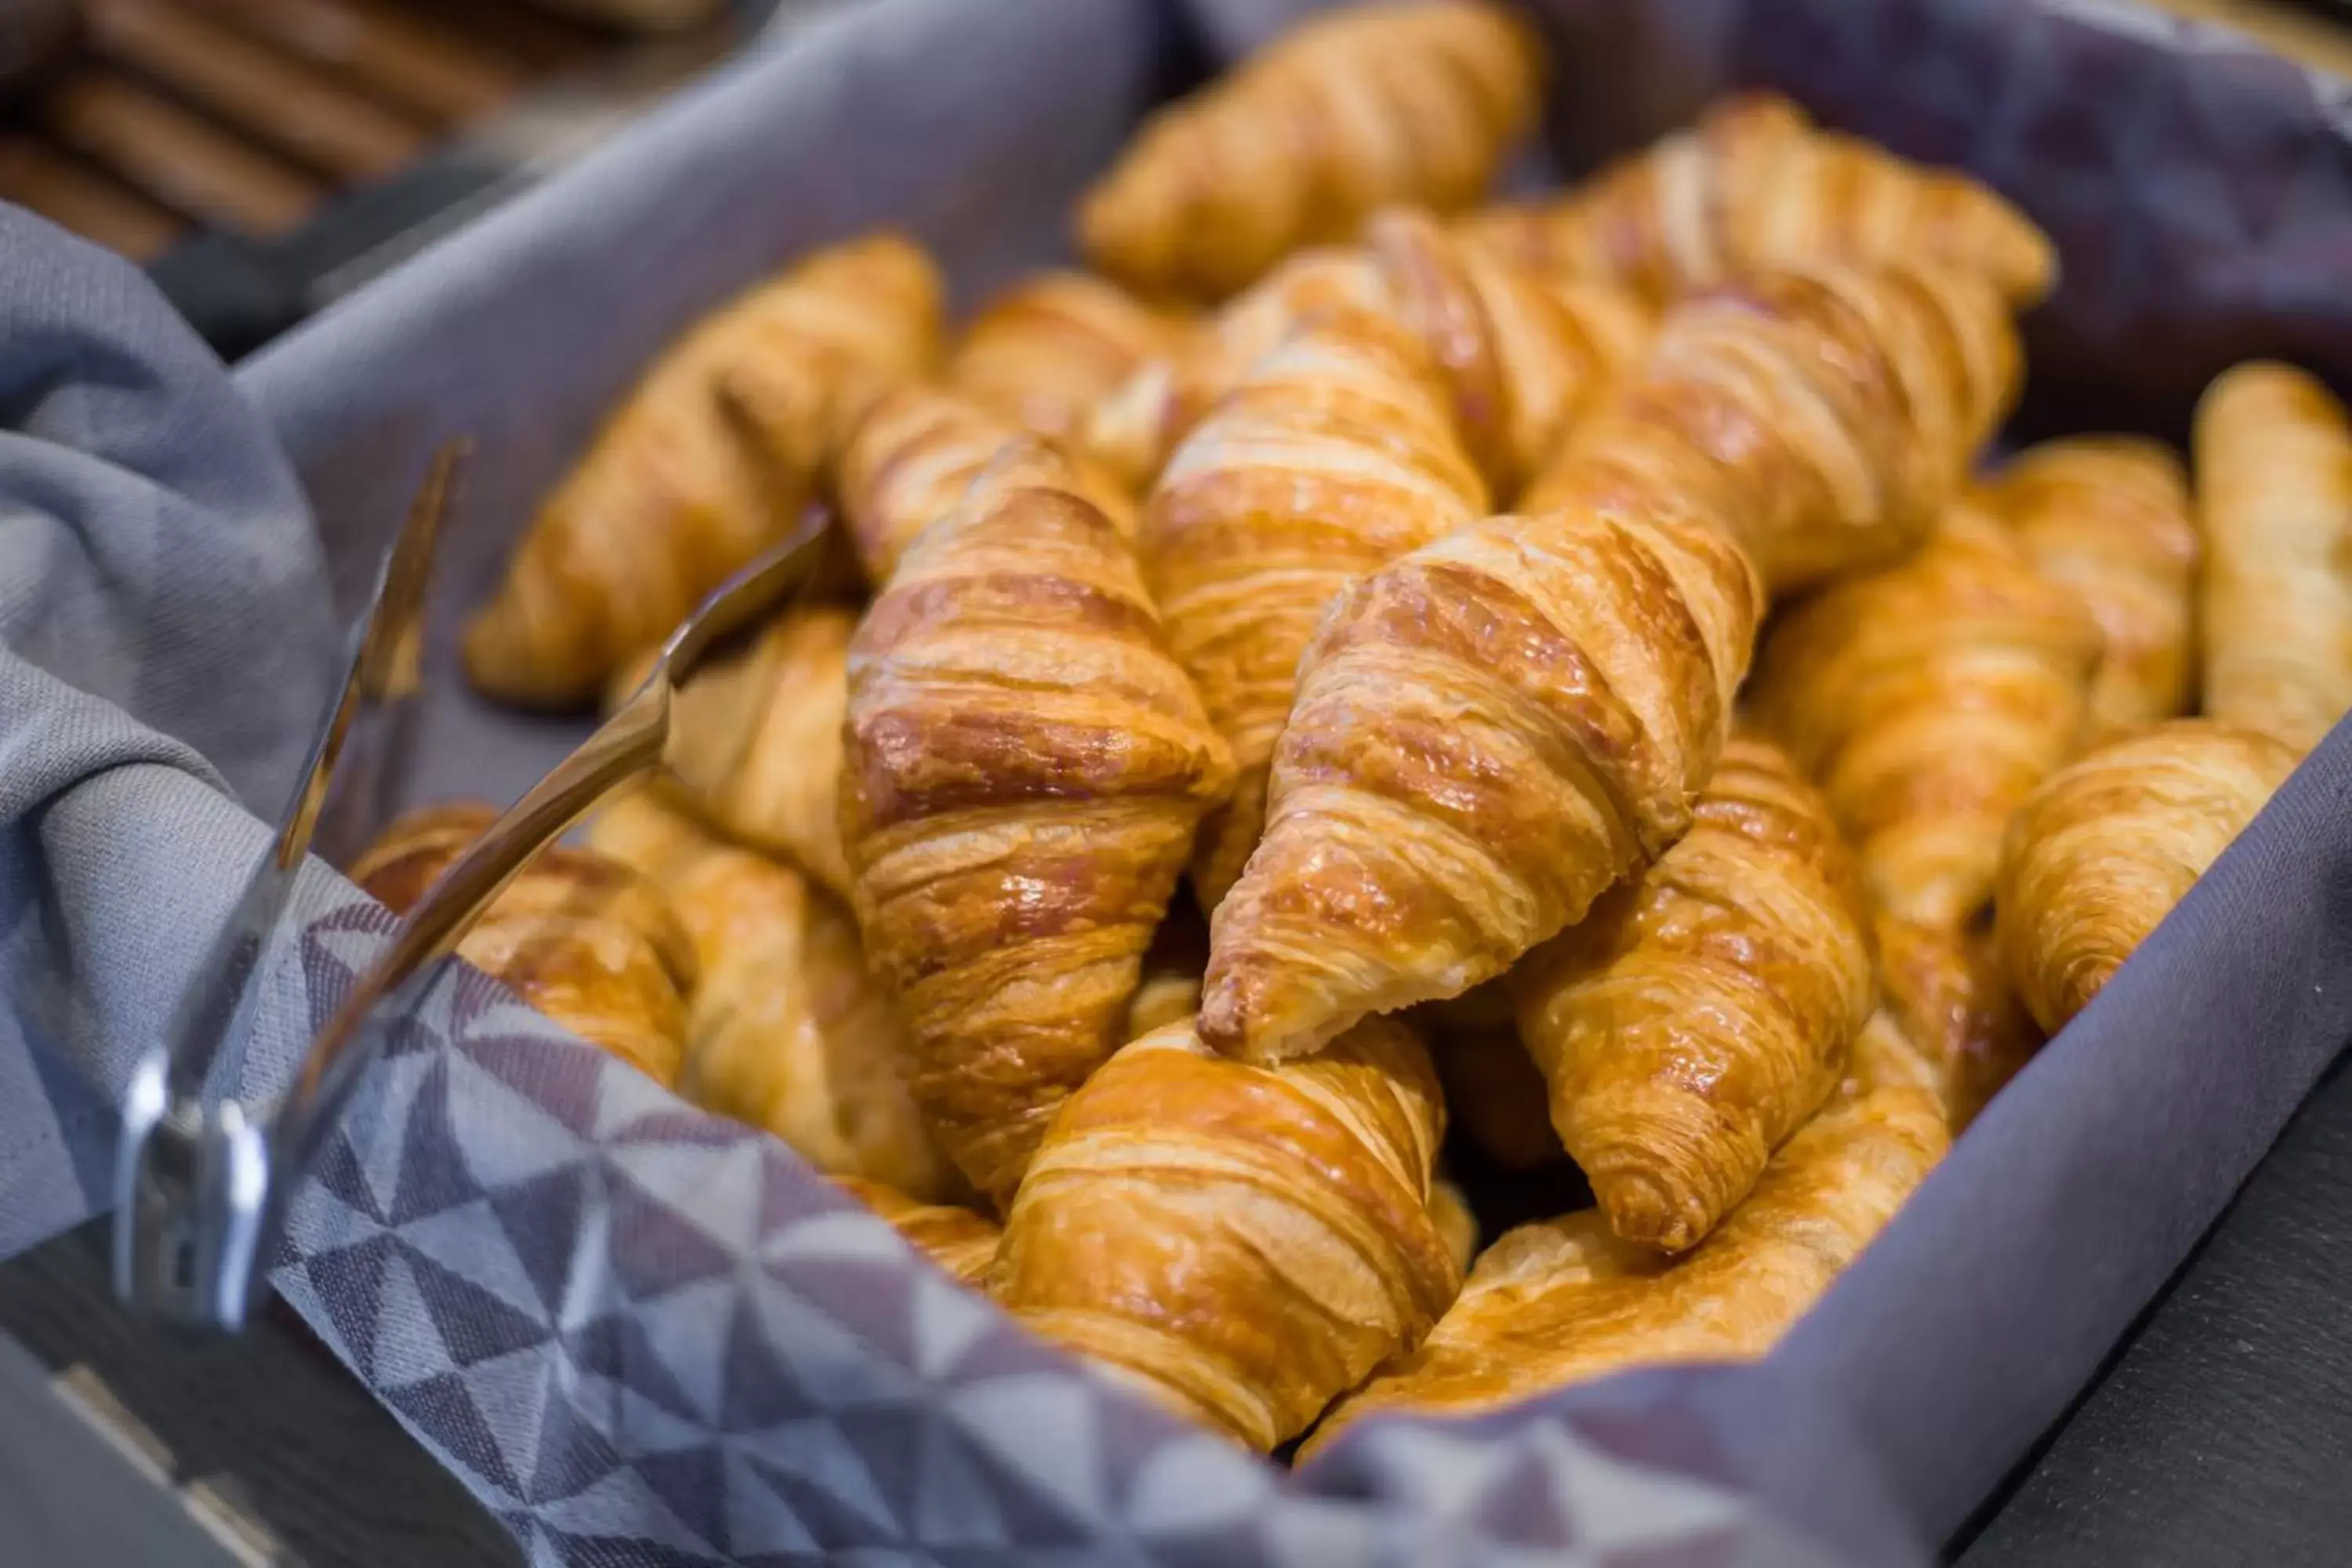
(1257, 1013)
(1641, 1210)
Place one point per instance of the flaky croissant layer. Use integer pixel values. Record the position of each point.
(2103, 851)
(1023, 767)
(1754, 184)
(2273, 451)
(1370, 105)
(1701, 1013)
(786, 1028)
(583, 938)
(1332, 456)
(713, 457)
(2108, 517)
(1243, 1243)
(1562, 1301)
(1929, 700)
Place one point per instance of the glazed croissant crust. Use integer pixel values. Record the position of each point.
(1243, 1243)
(686, 482)
(1833, 410)
(787, 1029)
(1754, 184)
(1372, 105)
(1950, 996)
(1024, 765)
(919, 453)
(1562, 1301)
(755, 740)
(2274, 456)
(1044, 352)
(1520, 360)
(1928, 700)
(2103, 850)
(1332, 456)
(1492, 730)
(1700, 1014)
(2107, 517)
(583, 939)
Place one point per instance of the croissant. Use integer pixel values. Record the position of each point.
(1562, 1301)
(1495, 1094)
(2103, 849)
(918, 453)
(1754, 184)
(1243, 1243)
(1372, 105)
(962, 1243)
(1332, 456)
(787, 1029)
(1946, 993)
(2274, 493)
(755, 740)
(1699, 1015)
(1043, 353)
(1492, 730)
(673, 494)
(2107, 516)
(1024, 765)
(1872, 387)
(581, 938)
(1521, 358)
(1133, 430)
(1928, 700)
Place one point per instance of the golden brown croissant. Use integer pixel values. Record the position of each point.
(1946, 994)
(1834, 409)
(787, 1029)
(962, 1243)
(683, 486)
(1024, 767)
(581, 938)
(2108, 517)
(1521, 358)
(1562, 1301)
(1372, 105)
(2274, 492)
(918, 453)
(2104, 848)
(1754, 183)
(1929, 700)
(1699, 1015)
(1131, 432)
(755, 740)
(1043, 353)
(1492, 730)
(1496, 1095)
(1244, 1243)
(1332, 456)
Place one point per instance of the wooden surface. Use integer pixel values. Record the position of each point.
(119, 1447)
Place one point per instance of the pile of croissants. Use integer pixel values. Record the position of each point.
(1578, 652)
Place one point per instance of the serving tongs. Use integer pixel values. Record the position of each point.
(192, 1172)
(225, 1221)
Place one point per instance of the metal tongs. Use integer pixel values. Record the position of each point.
(199, 1211)
(190, 1177)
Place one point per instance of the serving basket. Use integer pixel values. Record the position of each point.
(642, 1334)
